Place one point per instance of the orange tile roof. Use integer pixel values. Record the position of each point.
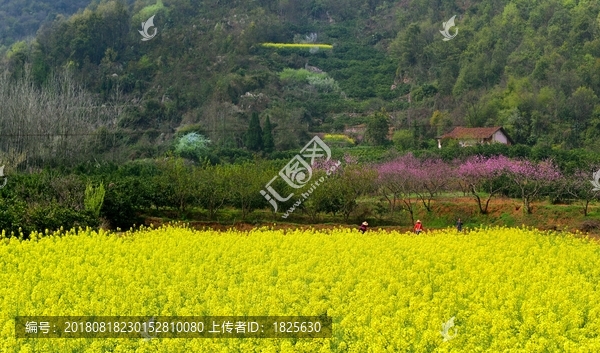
(472, 132)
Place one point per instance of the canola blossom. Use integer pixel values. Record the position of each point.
(297, 45)
(516, 290)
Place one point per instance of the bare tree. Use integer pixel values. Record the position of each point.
(578, 186)
(52, 123)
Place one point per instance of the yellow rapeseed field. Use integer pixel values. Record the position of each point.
(509, 290)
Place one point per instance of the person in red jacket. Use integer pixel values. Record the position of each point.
(418, 227)
(363, 227)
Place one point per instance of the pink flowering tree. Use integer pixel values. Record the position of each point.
(409, 180)
(484, 178)
(400, 180)
(531, 178)
(434, 176)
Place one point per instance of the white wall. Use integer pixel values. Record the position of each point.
(499, 137)
(466, 143)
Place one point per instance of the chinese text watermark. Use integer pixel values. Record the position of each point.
(298, 172)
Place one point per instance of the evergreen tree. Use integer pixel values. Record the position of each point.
(378, 128)
(254, 140)
(267, 138)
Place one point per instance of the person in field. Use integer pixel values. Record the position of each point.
(459, 225)
(418, 227)
(363, 227)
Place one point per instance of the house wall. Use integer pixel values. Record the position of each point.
(467, 143)
(499, 137)
(356, 132)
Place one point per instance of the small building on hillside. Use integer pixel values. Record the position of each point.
(357, 132)
(467, 136)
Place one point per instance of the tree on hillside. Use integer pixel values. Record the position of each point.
(440, 122)
(192, 146)
(403, 139)
(408, 46)
(85, 36)
(378, 128)
(267, 138)
(580, 107)
(51, 123)
(254, 141)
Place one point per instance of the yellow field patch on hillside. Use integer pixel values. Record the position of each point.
(297, 45)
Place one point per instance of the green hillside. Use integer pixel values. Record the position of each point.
(21, 19)
(530, 66)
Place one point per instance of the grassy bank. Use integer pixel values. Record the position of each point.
(444, 213)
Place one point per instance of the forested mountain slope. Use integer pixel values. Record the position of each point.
(20, 19)
(530, 66)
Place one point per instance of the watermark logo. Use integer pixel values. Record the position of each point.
(2, 176)
(145, 27)
(447, 25)
(145, 334)
(596, 181)
(447, 326)
(298, 172)
(312, 38)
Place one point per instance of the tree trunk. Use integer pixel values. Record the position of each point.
(526, 201)
(478, 199)
(527, 205)
(409, 208)
(426, 203)
(390, 202)
(487, 202)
